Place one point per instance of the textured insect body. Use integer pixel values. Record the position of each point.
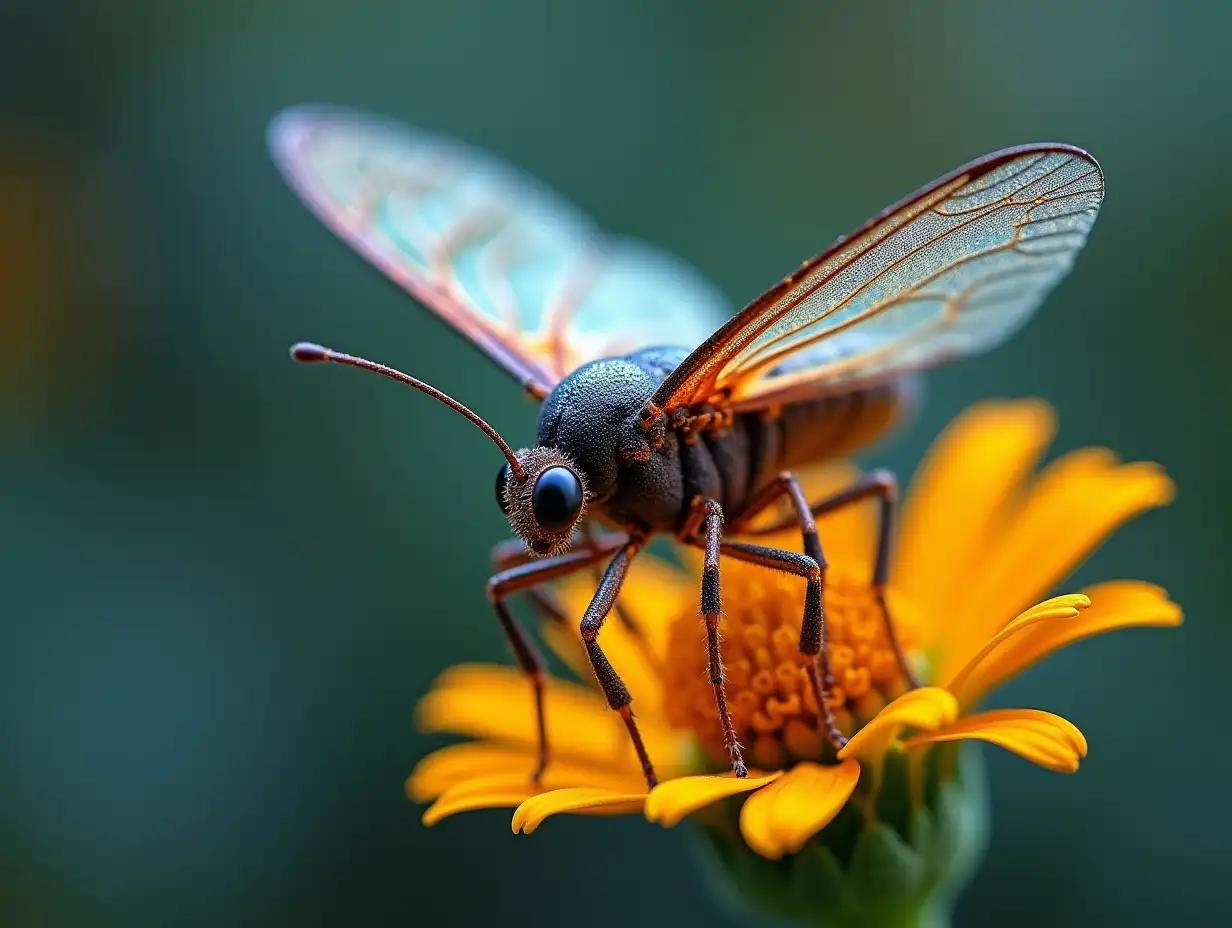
(593, 418)
(695, 442)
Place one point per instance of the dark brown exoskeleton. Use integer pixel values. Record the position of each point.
(695, 444)
(594, 459)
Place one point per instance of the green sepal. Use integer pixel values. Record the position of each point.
(860, 874)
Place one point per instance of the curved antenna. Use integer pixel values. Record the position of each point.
(311, 353)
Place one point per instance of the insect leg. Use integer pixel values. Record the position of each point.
(613, 687)
(591, 537)
(785, 484)
(812, 637)
(511, 552)
(523, 578)
(879, 484)
(882, 485)
(812, 625)
(712, 609)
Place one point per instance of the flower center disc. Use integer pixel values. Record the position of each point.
(773, 706)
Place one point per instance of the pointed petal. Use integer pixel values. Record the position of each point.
(584, 801)
(1063, 727)
(976, 464)
(1114, 605)
(1059, 607)
(926, 709)
(494, 792)
(443, 769)
(1074, 505)
(495, 702)
(1040, 737)
(779, 819)
(669, 802)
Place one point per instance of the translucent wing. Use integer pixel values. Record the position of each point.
(508, 263)
(952, 270)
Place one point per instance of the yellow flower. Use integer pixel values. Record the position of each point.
(983, 538)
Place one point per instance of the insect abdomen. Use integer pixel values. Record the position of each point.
(820, 430)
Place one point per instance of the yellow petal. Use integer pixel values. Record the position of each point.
(566, 643)
(1077, 502)
(482, 793)
(1114, 605)
(627, 651)
(654, 592)
(1063, 727)
(495, 702)
(442, 770)
(584, 801)
(575, 592)
(779, 819)
(669, 802)
(1040, 737)
(818, 482)
(848, 536)
(926, 708)
(692, 559)
(1059, 607)
(446, 768)
(971, 470)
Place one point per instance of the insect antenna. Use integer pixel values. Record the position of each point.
(310, 353)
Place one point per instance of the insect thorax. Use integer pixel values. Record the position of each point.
(592, 416)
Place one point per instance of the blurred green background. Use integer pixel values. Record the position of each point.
(226, 580)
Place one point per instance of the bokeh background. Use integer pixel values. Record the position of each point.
(225, 580)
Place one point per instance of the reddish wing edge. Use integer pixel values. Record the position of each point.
(680, 388)
(287, 134)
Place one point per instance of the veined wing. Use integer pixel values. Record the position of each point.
(508, 263)
(950, 271)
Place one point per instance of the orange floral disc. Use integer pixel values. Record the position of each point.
(773, 706)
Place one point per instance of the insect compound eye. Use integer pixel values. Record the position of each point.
(557, 498)
(502, 478)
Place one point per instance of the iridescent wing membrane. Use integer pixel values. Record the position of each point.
(950, 271)
(515, 268)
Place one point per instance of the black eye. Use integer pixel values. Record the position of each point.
(502, 478)
(557, 499)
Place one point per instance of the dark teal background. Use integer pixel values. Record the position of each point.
(226, 580)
